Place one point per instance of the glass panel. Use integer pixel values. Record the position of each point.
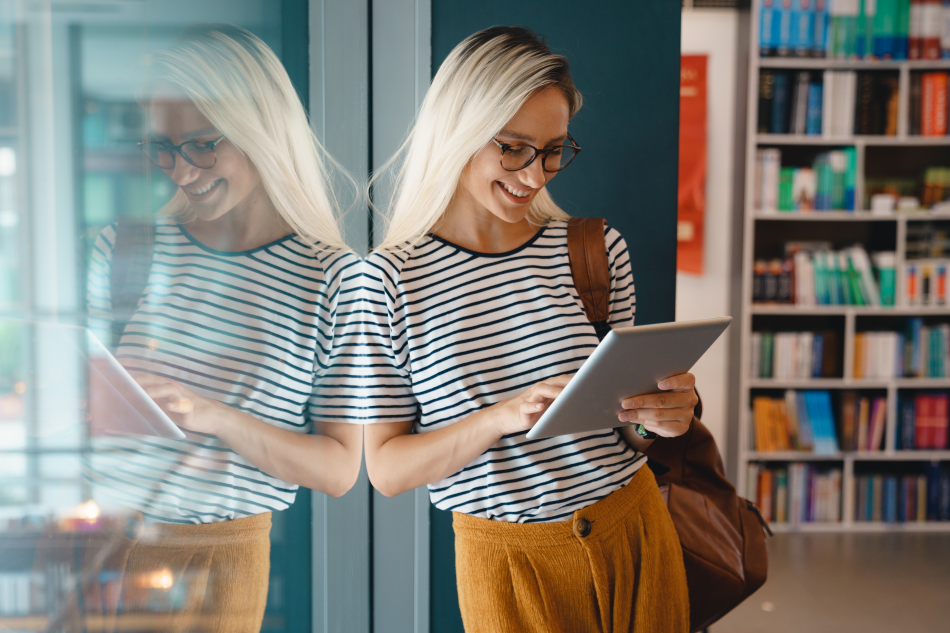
(86, 475)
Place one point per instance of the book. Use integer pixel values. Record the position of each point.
(849, 411)
(813, 112)
(767, 28)
(782, 28)
(882, 41)
(820, 29)
(766, 98)
(798, 116)
(877, 424)
(914, 43)
(803, 27)
(914, 104)
(931, 18)
(933, 98)
(945, 31)
(769, 163)
(781, 102)
(843, 22)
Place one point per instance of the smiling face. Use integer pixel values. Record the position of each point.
(211, 192)
(541, 122)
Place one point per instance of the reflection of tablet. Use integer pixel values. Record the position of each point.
(68, 356)
(117, 404)
(628, 362)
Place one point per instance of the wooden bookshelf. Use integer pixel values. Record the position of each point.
(764, 224)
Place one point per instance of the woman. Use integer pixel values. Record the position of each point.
(474, 323)
(236, 335)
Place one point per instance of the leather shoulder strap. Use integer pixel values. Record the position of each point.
(131, 262)
(589, 266)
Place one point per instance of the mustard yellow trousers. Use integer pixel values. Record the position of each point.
(168, 577)
(617, 566)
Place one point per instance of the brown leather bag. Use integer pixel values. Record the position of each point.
(722, 534)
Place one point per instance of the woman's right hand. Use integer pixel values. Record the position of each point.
(518, 414)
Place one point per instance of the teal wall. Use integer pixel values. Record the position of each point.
(625, 60)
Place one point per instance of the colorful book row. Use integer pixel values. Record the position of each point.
(928, 103)
(847, 29)
(925, 282)
(791, 355)
(923, 422)
(921, 352)
(837, 103)
(815, 276)
(828, 185)
(907, 498)
(801, 421)
(800, 493)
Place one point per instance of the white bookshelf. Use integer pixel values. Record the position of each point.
(756, 218)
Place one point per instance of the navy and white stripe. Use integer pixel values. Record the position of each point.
(263, 331)
(450, 331)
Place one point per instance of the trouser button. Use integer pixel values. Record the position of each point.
(582, 527)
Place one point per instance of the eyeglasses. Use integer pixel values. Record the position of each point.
(198, 153)
(517, 157)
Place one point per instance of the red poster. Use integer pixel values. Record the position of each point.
(692, 173)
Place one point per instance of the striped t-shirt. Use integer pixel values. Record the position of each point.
(450, 331)
(259, 330)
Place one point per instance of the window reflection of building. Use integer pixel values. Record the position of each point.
(70, 75)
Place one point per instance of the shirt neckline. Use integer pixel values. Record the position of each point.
(531, 241)
(193, 240)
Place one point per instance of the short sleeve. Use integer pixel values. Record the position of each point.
(382, 367)
(99, 285)
(334, 396)
(623, 301)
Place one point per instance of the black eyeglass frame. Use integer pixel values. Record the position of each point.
(172, 149)
(545, 152)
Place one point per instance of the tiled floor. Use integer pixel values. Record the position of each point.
(850, 582)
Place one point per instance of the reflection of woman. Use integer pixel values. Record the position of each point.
(475, 322)
(237, 331)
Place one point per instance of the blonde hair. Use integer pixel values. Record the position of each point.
(480, 86)
(236, 81)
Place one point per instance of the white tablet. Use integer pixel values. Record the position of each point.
(75, 379)
(628, 362)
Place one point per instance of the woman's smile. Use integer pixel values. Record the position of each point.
(200, 191)
(517, 195)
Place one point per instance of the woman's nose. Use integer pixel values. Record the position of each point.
(534, 175)
(183, 173)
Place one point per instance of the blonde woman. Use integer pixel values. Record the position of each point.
(475, 325)
(236, 334)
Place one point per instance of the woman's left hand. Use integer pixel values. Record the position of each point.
(185, 408)
(666, 414)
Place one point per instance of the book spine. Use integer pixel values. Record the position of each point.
(766, 97)
(914, 45)
(940, 104)
(767, 28)
(782, 35)
(882, 41)
(933, 490)
(945, 30)
(901, 29)
(803, 27)
(931, 21)
(780, 103)
(820, 27)
(813, 113)
(944, 514)
(939, 433)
